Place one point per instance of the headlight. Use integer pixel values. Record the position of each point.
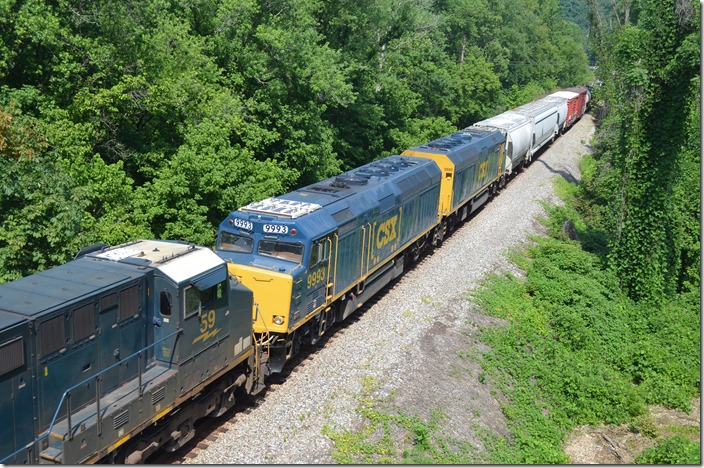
(278, 319)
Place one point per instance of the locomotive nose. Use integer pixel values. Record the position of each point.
(272, 292)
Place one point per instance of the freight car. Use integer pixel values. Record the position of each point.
(518, 132)
(576, 101)
(315, 255)
(529, 127)
(98, 355)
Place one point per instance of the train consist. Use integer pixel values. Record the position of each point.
(117, 353)
(314, 255)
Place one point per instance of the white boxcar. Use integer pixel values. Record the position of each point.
(518, 132)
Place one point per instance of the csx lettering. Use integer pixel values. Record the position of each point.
(387, 232)
(483, 169)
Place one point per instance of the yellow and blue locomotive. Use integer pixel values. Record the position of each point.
(315, 255)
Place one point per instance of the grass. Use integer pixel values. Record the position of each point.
(574, 350)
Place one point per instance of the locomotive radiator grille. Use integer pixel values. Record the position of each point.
(121, 419)
(158, 395)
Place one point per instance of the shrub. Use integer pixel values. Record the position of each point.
(674, 451)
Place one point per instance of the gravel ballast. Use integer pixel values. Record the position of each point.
(407, 342)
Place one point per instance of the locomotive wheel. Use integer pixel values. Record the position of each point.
(439, 235)
(415, 253)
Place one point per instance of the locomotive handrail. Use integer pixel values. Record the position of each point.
(67, 394)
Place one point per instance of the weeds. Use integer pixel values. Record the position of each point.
(391, 436)
(674, 451)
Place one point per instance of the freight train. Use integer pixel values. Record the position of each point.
(315, 255)
(117, 353)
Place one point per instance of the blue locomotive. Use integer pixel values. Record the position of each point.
(315, 255)
(335, 242)
(97, 355)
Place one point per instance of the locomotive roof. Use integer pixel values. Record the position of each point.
(373, 179)
(9, 319)
(89, 274)
(60, 285)
(326, 205)
(177, 260)
(463, 148)
(465, 143)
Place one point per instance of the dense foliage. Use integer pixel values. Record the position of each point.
(602, 327)
(577, 350)
(645, 192)
(156, 118)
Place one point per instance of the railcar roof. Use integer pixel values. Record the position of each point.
(508, 120)
(177, 260)
(534, 108)
(563, 94)
(60, 285)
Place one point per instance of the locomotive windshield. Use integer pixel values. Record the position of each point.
(290, 251)
(236, 243)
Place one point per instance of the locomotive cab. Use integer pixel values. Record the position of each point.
(100, 352)
(285, 263)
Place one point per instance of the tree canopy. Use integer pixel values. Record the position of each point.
(156, 118)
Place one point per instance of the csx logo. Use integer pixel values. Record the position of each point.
(387, 232)
(483, 169)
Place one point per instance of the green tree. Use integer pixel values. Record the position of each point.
(649, 146)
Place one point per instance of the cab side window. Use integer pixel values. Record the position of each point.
(192, 299)
(320, 251)
(197, 301)
(165, 303)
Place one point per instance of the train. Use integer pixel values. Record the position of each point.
(314, 255)
(117, 353)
